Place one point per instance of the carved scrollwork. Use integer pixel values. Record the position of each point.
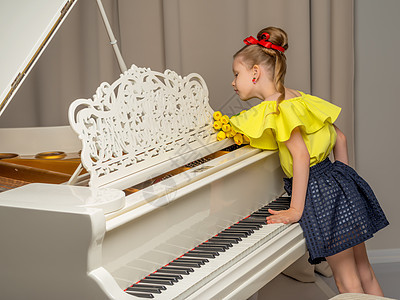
(143, 118)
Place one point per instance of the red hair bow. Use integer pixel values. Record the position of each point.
(263, 42)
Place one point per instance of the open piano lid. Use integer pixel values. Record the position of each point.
(26, 29)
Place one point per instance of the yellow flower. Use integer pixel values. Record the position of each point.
(230, 134)
(224, 119)
(217, 115)
(226, 127)
(217, 125)
(246, 139)
(238, 138)
(243, 111)
(221, 135)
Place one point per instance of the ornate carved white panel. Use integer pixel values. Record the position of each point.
(143, 118)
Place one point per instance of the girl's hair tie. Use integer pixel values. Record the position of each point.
(263, 42)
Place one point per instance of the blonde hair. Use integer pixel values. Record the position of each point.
(273, 60)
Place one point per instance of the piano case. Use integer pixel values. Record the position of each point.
(162, 209)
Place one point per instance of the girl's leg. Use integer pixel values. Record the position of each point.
(345, 272)
(367, 275)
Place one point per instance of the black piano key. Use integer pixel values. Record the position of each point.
(204, 251)
(204, 254)
(262, 219)
(278, 201)
(221, 243)
(208, 247)
(246, 231)
(156, 276)
(283, 200)
(277, 205)
(232, 234)
(180, 272)
(217, 244)
(166, 275)
(265, 211)
(140, 295)
(228, 238)
(200, 261)
(157, 281)
(252, 218)
(181, 269)
(274, 208)
(279, 208)
(286, 203)
(153, 286)
(261, 214)
(223, 239)
(257, 217)
(268, 213)
(235, 230)
(167, 267)
(246, 225)
(184, 264)
(218, 241)
(252, 221)
(144, 289)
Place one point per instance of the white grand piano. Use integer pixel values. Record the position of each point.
(162, 210)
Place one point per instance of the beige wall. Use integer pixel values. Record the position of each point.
(377, 107)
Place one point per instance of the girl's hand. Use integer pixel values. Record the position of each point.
(288, 216)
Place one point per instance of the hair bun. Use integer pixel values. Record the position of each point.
(277, 36)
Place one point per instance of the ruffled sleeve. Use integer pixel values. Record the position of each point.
(264, 128)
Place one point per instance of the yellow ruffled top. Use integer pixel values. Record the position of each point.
(269, 131)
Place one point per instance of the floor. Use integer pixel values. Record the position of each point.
(388, 275)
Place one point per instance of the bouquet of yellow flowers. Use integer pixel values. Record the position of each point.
(225, 130)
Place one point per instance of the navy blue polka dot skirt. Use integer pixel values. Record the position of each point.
(340, 211)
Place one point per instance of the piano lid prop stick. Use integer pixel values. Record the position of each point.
(74, 176)
(113, 41)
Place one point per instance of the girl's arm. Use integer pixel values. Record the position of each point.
(301, 168)
(340, 148)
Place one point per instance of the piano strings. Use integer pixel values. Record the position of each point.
(58, 166)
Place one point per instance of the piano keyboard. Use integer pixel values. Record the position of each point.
(187, 273)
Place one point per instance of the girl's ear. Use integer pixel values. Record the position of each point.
(256, 71)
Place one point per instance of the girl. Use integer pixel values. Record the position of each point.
(335, 207)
